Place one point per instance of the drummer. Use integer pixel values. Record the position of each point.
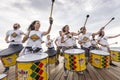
(67, 41)
(49, 43)
(103, 42)
(84, 41)
(34, 37)
(67, 38)
(59, 45)
(14, 38)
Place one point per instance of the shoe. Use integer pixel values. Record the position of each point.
(113, 65)
(6, 69)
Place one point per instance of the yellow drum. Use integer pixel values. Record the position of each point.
(9, 60)
(115, 55)
(3, 77)
(75, 60)
(100, 59)
(52, 56)
(9, 55)
(32, 67)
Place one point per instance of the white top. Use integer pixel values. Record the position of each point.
(15, 35)
(2, 76)
(35, 39)
(85, 39)
(74, 41)
(74, 51)
(49, 43)
(115, 49)
(68, 41)
(104, 41)
(32, 57)
(99, 52)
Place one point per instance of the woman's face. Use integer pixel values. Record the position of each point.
(37, 25)
(67, 28)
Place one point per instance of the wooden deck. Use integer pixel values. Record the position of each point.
(57, 73)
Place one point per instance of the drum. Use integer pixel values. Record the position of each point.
(75, 60)
(9, 55)
(115, 54)
(3, 77)
(32, 67)
(52, 56)
(100, 59)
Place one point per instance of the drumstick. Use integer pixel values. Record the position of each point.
(86, 20)
(108, 22)
(52, 8)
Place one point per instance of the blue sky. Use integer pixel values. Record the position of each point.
(71, 12)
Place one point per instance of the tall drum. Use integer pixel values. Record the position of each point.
(32, 67)
(3, 77)
(9, 55)
(115, 54)
(75, 60)
(100, 59)
(52, 54)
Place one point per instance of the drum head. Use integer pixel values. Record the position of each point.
(51, 52)
(9, 51)
(99, 52)
(74, 51)
(2, 76)
(32, 57)
(115, 49)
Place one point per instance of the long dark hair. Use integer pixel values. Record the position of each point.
(31, 27)
(63, 29)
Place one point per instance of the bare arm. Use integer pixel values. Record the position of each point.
(49, 29)
(56, 42)
(6, 38)
(75, 34)
(114, 36)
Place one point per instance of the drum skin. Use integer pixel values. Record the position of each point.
(99, 60)
(9, 60)
(75, 61)
(32, 70)
(115, 55)
(3, 77)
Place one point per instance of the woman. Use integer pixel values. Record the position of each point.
(67, 42)
(67, 38)
(15, 38)
(35, 36)
(103, 42)
(85, 42)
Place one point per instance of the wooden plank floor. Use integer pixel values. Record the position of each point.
(57, 73)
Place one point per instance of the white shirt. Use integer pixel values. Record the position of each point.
(74, 41)
(35, 38)
(85, 39)
(68, 41)
(15, 35)
(49, 43)
(104, 41)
